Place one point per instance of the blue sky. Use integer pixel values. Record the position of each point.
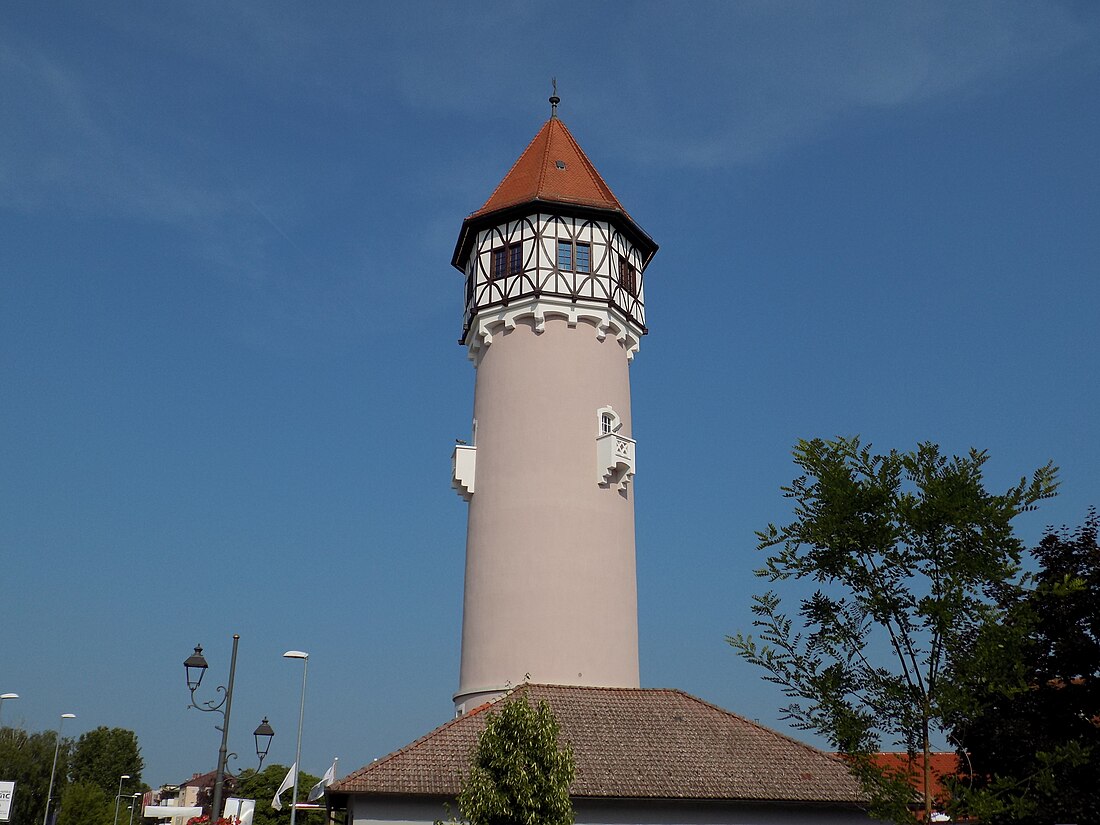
(229, 376)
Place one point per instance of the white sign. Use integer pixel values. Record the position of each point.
(7, 791)
(171, 810)
(240, 809)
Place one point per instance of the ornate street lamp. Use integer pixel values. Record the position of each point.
(195, 667)
(53, 770)
(263, 735)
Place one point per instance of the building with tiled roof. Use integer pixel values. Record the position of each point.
(641, 755)
(941, 765)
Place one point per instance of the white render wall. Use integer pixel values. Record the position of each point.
(551, 593)
(370, 811)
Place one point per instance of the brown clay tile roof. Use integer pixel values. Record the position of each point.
(555, 171)
(630, 743)
(552, 168)
(940, 764)
(202, 780)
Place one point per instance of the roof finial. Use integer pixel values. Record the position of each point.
(554, 99)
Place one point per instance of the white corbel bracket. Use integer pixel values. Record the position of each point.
(606, 322)
(464, 470)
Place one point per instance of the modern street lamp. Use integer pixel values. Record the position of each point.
(4, 696)
(298, 654)
(53, 770)
(195, 667)
(263, 734)
(134, 804)
(118, 796)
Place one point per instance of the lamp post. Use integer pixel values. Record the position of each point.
(134, 804)
(195, 667)
(263, 734)
(298, 654)
(118, 796)
(53, 770)
(4, 696)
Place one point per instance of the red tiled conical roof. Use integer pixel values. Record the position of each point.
(553, 168)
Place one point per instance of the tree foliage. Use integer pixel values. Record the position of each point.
(26, 758)
(105, 754)
(901, 557)
(88, 773)
(84, 803)
(261, 786)
(1031, 745)
(519, 775)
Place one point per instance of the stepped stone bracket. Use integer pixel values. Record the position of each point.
(464, 470)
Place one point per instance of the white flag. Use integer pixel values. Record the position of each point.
(318, 790)
(277, 803)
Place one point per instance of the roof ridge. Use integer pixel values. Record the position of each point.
(549, 128)
(757, 725)
(511, 169)
(590, 169)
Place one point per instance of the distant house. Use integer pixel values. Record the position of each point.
(196, 791)
(940, 765)
(642, 756)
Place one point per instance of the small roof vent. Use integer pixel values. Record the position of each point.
(560, 164)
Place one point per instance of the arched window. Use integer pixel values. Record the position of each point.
(609, 421)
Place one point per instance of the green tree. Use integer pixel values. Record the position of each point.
(104, 755)
(903, 556)
(26, 758)
(1031, 748)
(83, 803)
(520, 775)
(262, 785)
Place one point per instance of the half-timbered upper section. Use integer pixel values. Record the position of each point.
(553, 240)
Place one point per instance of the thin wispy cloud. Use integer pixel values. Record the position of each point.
(758, 80)
(236, 172)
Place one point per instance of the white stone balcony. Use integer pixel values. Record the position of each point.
(614, 460)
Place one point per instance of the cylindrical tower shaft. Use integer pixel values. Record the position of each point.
(551, 591)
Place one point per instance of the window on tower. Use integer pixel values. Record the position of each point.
(628, 276)
(574, 256)
(608, 419)
(565, 254)
(507, 260)
(500, 263)
(584, 257)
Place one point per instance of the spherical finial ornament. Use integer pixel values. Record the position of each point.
(554, 99)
